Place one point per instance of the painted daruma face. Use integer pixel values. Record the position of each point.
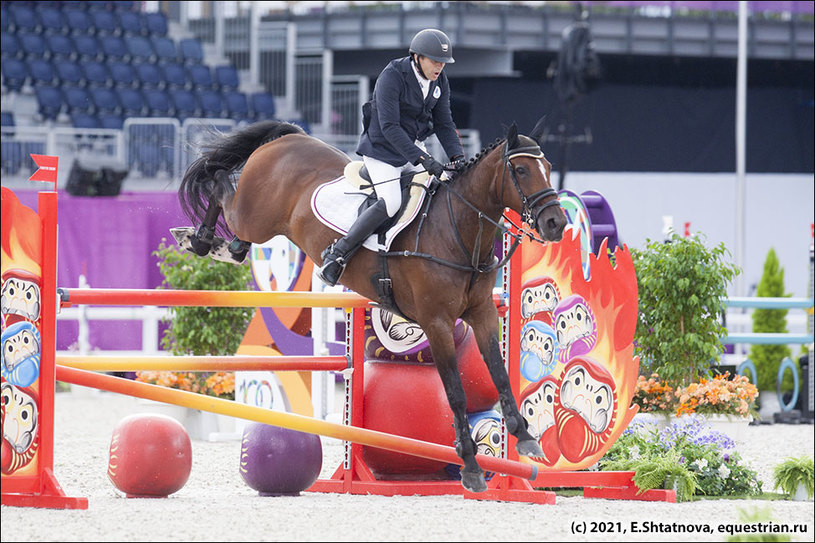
(20, 296)
(575, 327)
(538, 409)
(585, 408)
(539, 349)
(539, 295)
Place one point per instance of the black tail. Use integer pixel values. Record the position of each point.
(227, 153)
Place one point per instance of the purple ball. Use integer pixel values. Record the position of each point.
(279, 462)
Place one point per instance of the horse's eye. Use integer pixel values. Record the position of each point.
(520, 170)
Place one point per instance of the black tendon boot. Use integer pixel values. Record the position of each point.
(335, 256)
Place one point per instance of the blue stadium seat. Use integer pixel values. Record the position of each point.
(42, 72)
(124, 5)
(158, 103)
(165, 49)
(111, 120)
(104, 100)
(31, 45)
(114, 48)
(77, 20)
(105, 22)
(148, 75)
(263, 106)
(146, 158)
(5, 22)
(84, 120)
(184, 104)
(60, 47)
(226, 77)
(96, 73)
(78, 100)
(155, 23)
(15, 74)
(132, 102)
(139, 49)
(122, 74)
(52, 21)
(130, 22)
(24, 17)
(191, 51)
(174, 75)
(49, 101)
(10, 45)
(69, 73)
(212, 105)
(237, 106)
(200, 76)
(87, 47)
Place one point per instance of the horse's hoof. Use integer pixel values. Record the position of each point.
(474, 482)
(182, 236)
(220, 252)
(530, 447)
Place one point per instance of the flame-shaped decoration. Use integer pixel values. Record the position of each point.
(611, 293)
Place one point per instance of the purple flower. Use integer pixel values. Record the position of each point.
(727, 458)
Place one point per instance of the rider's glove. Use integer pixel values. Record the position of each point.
(432, 166)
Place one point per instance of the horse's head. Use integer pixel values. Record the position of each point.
(533, 197)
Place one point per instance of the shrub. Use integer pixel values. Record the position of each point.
(682, 285)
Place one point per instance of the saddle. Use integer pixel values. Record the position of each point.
(338, 203)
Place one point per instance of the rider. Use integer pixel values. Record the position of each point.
(411, 101)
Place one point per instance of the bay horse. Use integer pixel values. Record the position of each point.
(442, 267)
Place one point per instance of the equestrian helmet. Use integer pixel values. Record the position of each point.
(433, 44)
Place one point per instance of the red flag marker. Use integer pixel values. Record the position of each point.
(47, 169)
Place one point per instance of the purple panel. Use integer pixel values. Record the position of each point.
(110, 240)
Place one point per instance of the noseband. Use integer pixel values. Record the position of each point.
(528, 212)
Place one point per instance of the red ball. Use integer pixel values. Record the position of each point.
(150, 456)
(407, 400)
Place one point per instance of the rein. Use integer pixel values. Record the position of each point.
(528, 206)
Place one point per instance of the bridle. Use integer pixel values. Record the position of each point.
(528, 213)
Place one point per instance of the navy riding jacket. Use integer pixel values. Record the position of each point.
(399, 116)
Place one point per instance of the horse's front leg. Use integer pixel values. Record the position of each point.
(484, 321)
(442, 346)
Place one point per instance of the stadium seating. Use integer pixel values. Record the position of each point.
(52, 21)
(226, 77)
(130, 22)
(139, 49)
(24, 17)
(31, 45)
(212, 105)
(87, 47)
(148, 75)
(49, 101)
(131, 102)
(105, 22)
(263, 106)
(77, 100)
(96, 73)
(105, 100)
(158, 103)
(10, 45)
(191, 51)
(60, 47)
(237, 106)
(15, 74)
(111, 120)
(165, 49)
(174, 75)
(200, 76)
(114, 48)
(84, 120)
(184, 104)
(42, 72)
(155, 23)
(122, 74)
(77, 20)
(69, 73)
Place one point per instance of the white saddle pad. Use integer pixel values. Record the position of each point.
(336, 203)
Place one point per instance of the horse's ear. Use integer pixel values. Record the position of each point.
(512, 136)
(537, 132)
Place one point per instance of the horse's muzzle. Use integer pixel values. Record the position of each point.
(551, 223)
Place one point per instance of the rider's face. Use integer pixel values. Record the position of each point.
(430, 68)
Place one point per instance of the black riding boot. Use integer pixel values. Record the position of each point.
(335, 256)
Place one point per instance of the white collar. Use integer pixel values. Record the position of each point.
(424, 84)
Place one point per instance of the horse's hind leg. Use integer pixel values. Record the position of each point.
(444, 355)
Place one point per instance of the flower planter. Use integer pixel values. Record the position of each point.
(656, 421)
(800, 494)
